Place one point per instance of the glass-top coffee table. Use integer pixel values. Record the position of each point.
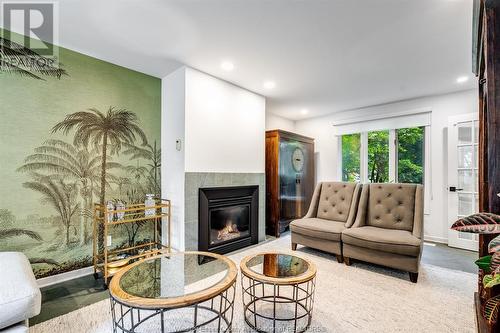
(278, 292)
(176, 292)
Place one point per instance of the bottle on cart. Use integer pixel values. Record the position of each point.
(110, 206)
(149, 202)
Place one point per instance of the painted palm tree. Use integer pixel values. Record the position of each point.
(114, 128)
(59, 195)
(59, 158)
(134, 194)
(137, 171)
(16, 232)
(152, 154)
(12, 54)
(122, 183)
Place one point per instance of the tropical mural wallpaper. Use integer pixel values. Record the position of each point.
(89, 134)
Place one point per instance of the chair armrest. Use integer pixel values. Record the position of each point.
(20, 297)
(354, 206)
(418, 217)
(313, 207)
(362, 208)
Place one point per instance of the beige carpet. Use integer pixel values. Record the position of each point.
(359, 298)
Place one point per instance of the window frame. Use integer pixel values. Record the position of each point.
(393, 155)
(424, 157)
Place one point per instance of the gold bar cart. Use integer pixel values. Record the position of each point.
(106, 262)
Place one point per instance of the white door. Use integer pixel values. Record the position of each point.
(463, 139)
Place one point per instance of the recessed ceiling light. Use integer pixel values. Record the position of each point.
(462, 79)
(227, 65)
(304, 111)
(269, 84)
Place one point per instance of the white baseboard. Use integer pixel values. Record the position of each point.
(436, 239)
(50, 280)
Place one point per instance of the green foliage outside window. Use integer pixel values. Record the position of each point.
(378, 157)
(411, 155)
(350, 157)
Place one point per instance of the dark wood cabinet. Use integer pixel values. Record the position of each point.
(289, 178)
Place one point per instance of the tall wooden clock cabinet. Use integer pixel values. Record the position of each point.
(289, 178)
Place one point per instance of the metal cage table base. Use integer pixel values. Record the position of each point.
(214, 315)
(272, 307)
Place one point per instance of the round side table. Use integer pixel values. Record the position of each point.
(177, 292)
(277, 292)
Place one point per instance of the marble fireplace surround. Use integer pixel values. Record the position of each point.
(197, 180)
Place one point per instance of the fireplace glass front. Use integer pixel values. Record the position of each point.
(229, 223)
(228, 218)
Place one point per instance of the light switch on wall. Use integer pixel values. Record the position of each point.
(178, 144)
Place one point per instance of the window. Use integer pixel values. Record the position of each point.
(350, 157)
(378, 157)
(395, 155)
(410, 161)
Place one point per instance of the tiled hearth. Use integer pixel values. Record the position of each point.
(196, 180)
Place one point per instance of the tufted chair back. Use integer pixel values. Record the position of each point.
(392, 206)
(335, 201)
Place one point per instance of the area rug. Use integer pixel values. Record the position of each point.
(358, 298)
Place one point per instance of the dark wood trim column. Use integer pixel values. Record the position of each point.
(487, 68)
(491, 93)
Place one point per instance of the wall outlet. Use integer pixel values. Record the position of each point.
(108, 241)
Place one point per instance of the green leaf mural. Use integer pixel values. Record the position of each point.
(14, 232)
(69, 143)
(57, 157)
(115, 128)
(58, 194)
(39, 68)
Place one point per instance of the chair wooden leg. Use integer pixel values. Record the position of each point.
(413, 277)
(339, 258)
(347, 261)
(294, 246)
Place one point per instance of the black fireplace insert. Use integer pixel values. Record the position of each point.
(228, 218)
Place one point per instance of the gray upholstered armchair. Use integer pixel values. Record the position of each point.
(332, 210)
(388, 229)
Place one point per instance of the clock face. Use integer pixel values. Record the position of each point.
(298, 159)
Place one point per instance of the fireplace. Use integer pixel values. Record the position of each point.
(228, 218)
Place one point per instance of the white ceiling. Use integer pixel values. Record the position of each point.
(325, 55)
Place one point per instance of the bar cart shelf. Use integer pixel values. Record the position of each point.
(109, 261)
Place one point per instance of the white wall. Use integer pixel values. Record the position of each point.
(276, 122)
(172, 160)
(442, 106)
(225, 126)
(221, 128)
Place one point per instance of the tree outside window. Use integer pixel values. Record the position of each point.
(410, 143)
(350, 157)
(407, 156)
(378, 157)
